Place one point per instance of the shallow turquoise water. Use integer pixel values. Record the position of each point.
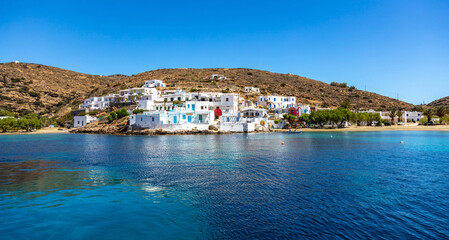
(348, 186)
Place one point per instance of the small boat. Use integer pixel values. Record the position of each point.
(295, 131)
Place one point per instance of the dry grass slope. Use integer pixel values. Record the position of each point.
(444, 102)
(27, 87)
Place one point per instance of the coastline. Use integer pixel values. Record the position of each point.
(150, 132)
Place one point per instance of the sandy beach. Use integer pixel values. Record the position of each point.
(46, 130)
(374, 129)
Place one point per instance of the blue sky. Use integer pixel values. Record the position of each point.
(391, 47)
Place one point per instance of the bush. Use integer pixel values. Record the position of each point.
(336, 84)
(277, 121)
(34, 94)
(137, 111)
(122, 113)
(117, 114)
(24, 89)
(6, 113)
(226, 90)
(93, 113)
(112, 116)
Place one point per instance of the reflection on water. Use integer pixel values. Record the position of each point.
(353, 185)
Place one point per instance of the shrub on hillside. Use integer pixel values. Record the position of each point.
(34, 94)
(117, 114)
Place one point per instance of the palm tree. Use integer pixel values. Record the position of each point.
(392, 114)
(441, 112)
(399, 114)
(428, 113)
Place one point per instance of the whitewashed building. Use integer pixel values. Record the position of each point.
(81, 121)
(275, 101)
(154, 83)
(218, 77)
(252, 89)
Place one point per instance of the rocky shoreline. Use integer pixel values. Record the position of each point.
(120, 127)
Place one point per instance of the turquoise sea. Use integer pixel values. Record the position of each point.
(243, 186)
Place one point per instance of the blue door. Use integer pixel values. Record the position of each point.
(189, 118)
(200, 117)
(175, 118)
(193, 107)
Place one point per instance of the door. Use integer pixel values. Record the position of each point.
(193, 107)
(175, 119)
(200, 117)
(189, 118)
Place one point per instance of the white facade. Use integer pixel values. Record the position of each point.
(81, 121)
(154, 83)
(218, 77)
(274, 101)
(95, 103)
(413, 116)
(182, 118)
(405, 116)
(252, 89)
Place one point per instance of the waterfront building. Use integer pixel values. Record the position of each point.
(81, 121)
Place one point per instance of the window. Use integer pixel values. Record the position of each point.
(184, 117)
(152, 119)
(227, 99)
(141, 119)
(179, 98)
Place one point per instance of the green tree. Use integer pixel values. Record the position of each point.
(440, 112)
(428, 113)
(304, 118)
(7, 124)
(399, 115)
(392, 114)
(112, 116)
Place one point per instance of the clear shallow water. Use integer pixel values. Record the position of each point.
(350, 186)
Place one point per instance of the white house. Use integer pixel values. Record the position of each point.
(413, 116)
(275, 101)
(218, 77)
(179, 119)
(154, 83)
(81, 121)
(252, 89)
(95, 103)
(405, 116)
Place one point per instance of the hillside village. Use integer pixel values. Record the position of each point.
(151, 106)
(186, 99)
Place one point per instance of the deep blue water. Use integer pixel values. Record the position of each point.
(349, 186)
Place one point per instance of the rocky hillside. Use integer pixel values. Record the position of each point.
(440, 102)
(26, 87)
(46, 90)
